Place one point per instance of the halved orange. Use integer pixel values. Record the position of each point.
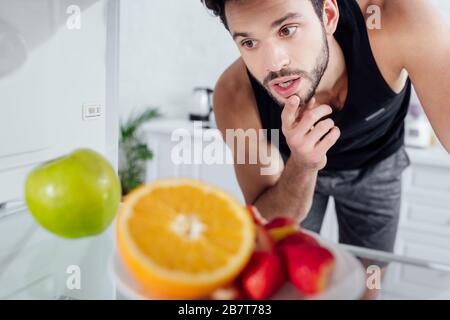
(182, 238)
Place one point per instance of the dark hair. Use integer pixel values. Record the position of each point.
(217, 7)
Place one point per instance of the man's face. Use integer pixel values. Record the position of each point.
(283, 43)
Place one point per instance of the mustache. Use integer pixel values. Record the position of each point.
(286, 73)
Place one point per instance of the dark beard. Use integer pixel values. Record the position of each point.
(314, 76)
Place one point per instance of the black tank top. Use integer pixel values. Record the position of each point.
(372, 119)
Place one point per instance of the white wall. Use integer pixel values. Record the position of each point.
(167, 48)
(444, 5)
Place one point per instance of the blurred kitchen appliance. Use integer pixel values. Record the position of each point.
(419, 133)
(202, 105)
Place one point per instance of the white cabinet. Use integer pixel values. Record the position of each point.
(163, 138)
(425, 208)
(424, 227)
(417, 282)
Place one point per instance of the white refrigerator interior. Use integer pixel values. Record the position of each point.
(57, 92)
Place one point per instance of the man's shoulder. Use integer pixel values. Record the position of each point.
(398, 14)
(234, 81)
(401, 16)
(233, 97)
(403, 22)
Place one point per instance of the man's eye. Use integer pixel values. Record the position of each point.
(288, 31)
(249, 44)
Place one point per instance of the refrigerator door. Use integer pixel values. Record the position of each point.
(58, 92)
(58, 64)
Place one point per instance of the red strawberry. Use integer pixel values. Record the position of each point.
(280, 227)
(298, 237)
(309, 266)
(279, 222)
(265, 273)
(263, 276)
(264, 241)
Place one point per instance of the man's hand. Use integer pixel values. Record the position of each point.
(308, 137)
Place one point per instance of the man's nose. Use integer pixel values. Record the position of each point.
(275, 58)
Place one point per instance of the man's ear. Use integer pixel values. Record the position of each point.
(330, 16)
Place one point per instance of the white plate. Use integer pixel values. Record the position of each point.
(347, 281)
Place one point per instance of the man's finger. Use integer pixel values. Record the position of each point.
(288, 116)
(310, 104)
(328, 141)
(319, 131)
(309, 119)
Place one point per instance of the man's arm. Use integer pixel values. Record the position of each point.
(287, 190)
(422, 38)
(290, 196)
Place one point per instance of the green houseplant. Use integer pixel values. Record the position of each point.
(134, 152)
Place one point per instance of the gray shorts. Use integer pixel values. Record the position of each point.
(367, 202)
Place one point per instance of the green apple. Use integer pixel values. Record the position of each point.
(77, 195)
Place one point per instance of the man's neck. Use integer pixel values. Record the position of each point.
(333, 87)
